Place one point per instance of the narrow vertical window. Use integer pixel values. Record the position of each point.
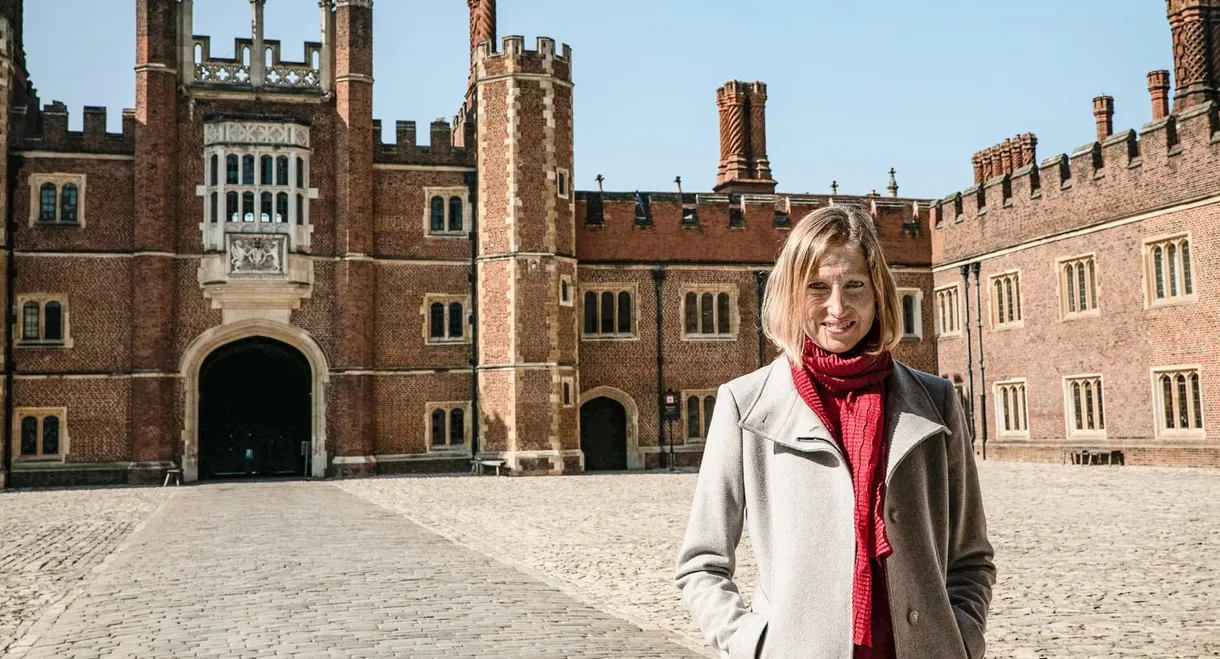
(281, 170)
(1090, 424)
(215, 178)
(214, 211)
(1076, 405)
(231, 169)
(1197, 399)
(53, 322)
(564, 293)
(908, 314)
(722, 313)
(624, 312)
(455, 320)
(692, 417)
(1019, 394)
(1101, 409)
(691, 313)
(268, 174)
(1085, 302)
(1187, 287)
(438, 427)
(247, 206)
(247, 170)
(437, 321)
(300, 210)
(1016, 287)
(567, 394)
(457, 427)
(437, 221)
(709, 403)
(1167, 400)
(1008, 424)
(50, 435)
(1071, 289)
(300, 173)
(707, 314)
(1092, 284)
(1172, 260)
(1008, 293)
(46, 202)
(231, 213)
(590, 313)
(281, 207)
(29, 435)
(265, 216)
(30, 317)
(607, 313)
(68, 203)
(999, 301)
(455, 214)
(1183, 401)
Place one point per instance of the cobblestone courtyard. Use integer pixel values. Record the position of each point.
(1093, 562)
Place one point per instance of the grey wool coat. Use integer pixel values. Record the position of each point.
(770, 462)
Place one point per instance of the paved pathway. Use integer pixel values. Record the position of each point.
(307, 570)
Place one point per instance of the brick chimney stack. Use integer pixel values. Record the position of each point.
(1158, 89)
(1193, 24)
(482, 28)
(744, 166)
(1103, 113)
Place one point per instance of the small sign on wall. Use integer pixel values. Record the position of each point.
(672, 411)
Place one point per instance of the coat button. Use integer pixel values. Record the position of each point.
(913, 617)
(894, 515)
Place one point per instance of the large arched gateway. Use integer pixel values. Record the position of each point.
(254, 410)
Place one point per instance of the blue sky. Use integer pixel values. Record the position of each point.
(855, 87)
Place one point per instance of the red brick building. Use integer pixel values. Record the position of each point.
(247, 280)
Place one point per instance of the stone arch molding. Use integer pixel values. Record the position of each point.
(634, 459)
(209, 341)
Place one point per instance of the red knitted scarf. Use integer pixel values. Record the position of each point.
(845, 391)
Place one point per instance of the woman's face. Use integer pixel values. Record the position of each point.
(840, 302)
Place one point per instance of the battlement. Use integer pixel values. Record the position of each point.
(405, 149)
(1125, 174)
(731, 227)
(238, 72)
(48, 130)
(514, 58)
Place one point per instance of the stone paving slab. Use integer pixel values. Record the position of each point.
(304, 569)
(51, 541)
(1093, 561)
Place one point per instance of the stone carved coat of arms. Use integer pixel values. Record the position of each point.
(256, 255)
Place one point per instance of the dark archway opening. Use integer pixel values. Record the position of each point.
(255, 411)
(603, 434)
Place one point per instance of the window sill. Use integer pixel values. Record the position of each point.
(445, 342)
(447, 234)
(38, 459)
(43, 344)
(710, 337)
(1178, 301)
(912, 338)
(1175, 434)
(1007, 327)
(462, 451)
(949, 335)
(608, 337)
(39, 224)
(1086, 434)
(1081, 315)
(1012, 435)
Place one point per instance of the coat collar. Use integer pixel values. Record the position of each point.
(779, 415)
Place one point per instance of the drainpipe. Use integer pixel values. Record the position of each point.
(978, 300)
(658, 277)
(10, 276)
(965, 270)
(473, 316)
(760, 288)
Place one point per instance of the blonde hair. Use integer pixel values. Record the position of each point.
(783, 308)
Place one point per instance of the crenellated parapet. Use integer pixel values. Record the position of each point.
(240, 72)
(1171, 160)
(678, 226)
(513, 57)
(55, 136)
(406, 150)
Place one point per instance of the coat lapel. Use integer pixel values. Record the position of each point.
(779, 415)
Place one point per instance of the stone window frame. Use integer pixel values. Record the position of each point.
(41, 413)
(1014, 304)
(917, 303)
(446, 193)
(1183, 263)
(1086, 384)
(568, 381)
(704, 419)
(1192, 375)
(42, 299)
(1069, 304)
(698, 290)
(58, 179)
(446, 300)
(1016, 386)
(632, 290)
(448, 448)
(963, 396)
(948, 309)
(563, 183)
(570, 301)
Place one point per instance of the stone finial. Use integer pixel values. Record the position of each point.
(678, 184)
(893, 185)
(834, 187)
(599, 180)
(1103, 113)
(1158, 89)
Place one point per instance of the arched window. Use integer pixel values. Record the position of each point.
(231, 212)
(437, 220)
(1167, 400)
(691, 313)
(281, 171)
(281, 207)
(215, 169)
(457, 427)
(706, 314)
(455, 320)
(1008, 291)
(438, 427)
(267, 209)
(29, 435)
(607, 312)
(1183, 401)
(709, 404)
(46, 202)
(247, 170)
(231, 169)
(300, 210)
(692, 417)
(1076, 404)
(1186, 283)
(624, 312)
(50, 435)
(53, 327)
(268, 166)
(69, 197)
(1158, 264)
(590, 312)
(1071, 290)
(1197, 399)
(455, 213)
(214, 212)
(300, 172)
(722, 313)
(247, 206)
(436, 324)
(1086, 300)
(30, 324)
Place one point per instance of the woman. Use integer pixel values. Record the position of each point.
(856, 472)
